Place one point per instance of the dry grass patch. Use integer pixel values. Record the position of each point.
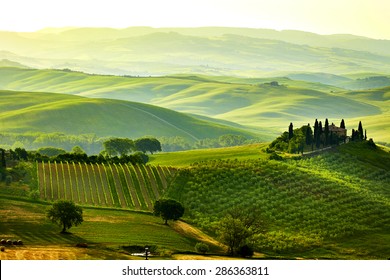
(194, 233)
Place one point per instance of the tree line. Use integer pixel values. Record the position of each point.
(93, 144)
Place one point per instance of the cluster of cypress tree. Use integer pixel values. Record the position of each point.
(323, 136)
(295, 140)
(359, 135)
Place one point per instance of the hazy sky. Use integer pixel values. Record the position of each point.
(360, 17)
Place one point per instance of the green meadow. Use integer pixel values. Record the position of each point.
(186, 158)
(69, 114)
(109, 234)
(258, 106)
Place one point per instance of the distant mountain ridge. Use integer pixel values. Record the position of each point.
(210, 50)
(346, 41)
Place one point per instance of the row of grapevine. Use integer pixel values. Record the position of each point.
(305, 201)
(107, 185)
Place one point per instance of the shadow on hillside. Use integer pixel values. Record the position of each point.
(35, 233)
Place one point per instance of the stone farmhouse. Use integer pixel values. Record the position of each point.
(341, 132)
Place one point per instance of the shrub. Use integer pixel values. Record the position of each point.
(140, 157)
(8, 180)
(201, 248)
(371, 143)
(34, 194)
(275, 156)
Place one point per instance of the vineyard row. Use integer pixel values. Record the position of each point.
(108, 185)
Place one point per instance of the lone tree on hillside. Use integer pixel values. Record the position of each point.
(65, 214)
(168, 209)
(238, 226)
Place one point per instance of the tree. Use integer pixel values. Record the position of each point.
(147, 145)
(118, 146)
(21, 153)
(342, 124)
(66, 214)
(308, 135)
(315, 140)
(319, 135)
(168, 209)
(326, 132)
(229, 140)
(78, 150)
(290, 131)
(238, 226)
(360, 130)
(51, 151)
(3, 163)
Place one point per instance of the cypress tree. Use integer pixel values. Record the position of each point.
(309, 135)
(2, 160)
(360, 129)
(342, 124)
(290, 131)
(326, 131)
(319, 134)
(315, 133)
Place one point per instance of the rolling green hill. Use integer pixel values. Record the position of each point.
(49, 112)
(353, 82)
(250, 102)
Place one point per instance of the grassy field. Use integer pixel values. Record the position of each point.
(249, 102)
(70, 114)
(107, 232)
(186, 158)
